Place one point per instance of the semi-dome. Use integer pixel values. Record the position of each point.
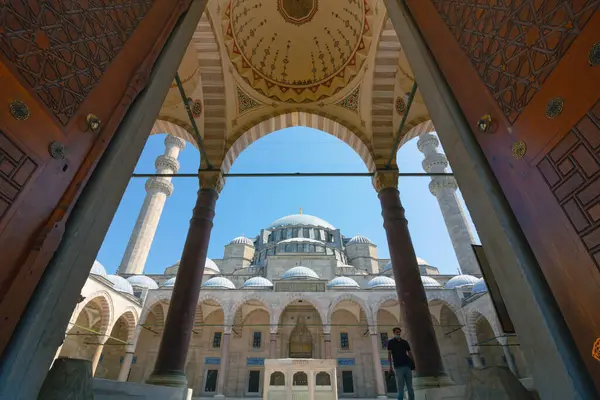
(358, 239)
(300, 219)
(98, 269)
(257, 282)
(461, 280)
(429, 282)
(300, 273)
(381, 282)
(242, 240)
(479, 287)
(169, 283)
(218, 282)
(142, 281)
(120, 284)
(343, 282)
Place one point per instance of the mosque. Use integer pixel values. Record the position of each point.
(298, 289)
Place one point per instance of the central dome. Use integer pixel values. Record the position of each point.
(300, 219)
(298, 51)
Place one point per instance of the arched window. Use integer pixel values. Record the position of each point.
(288, 248)
(277, 379)
(278, 235)
(319, 249)
(323, 379)
(300, 379)
(300, 248)
(306, 233)
(328, 251)
(307, 248)
(288, 233)
(295, 232)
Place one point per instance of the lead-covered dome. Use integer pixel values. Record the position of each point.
(300, 219)
(242, 240)
(300, 273)
(381, 282)
(430, 282)
(343, 282)
(420, 261)
(120, 284)
(461, 280)
(257, 282)
(358, 239)
(218, 282)
(98, 269)
(169, 283)
(142, 281)
(479, 287)
(210, 268)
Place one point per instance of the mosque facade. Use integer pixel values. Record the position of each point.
(300, 288)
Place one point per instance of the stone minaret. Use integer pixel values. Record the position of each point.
(444, 189)
(157, 189)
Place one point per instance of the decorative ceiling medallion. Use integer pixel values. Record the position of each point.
(297, 12)
(594, 55)
(351, 102)
(554, 107)
(519, 148)
(195, 107)
(245, 102)
(19, 110)
(400, 105)
(308, 62)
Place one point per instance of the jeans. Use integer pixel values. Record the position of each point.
(404, 376)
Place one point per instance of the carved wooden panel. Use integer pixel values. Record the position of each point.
(61, 48)
(572, 169)
(15, 170)
(515, 45)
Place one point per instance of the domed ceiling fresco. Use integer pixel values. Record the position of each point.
(298, 51)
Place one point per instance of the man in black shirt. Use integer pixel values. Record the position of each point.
(400, 357)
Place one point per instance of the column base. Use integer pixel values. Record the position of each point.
(428, 382)
(170, 378)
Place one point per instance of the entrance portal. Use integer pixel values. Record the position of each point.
(301, 341)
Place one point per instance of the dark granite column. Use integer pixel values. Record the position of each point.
(172, 354)
(411, 294)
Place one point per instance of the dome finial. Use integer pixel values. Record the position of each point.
(300, 210)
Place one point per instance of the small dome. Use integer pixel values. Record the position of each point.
(120, 284)
(359, 240)
(430, 282)
(343, 282)
(420, 261)
(142, 281)
(169, 283)
(300, 273)
(300, 219)
(460, 280)
(479, 287)
(381, 282)
(242, 240)
(98, 269)
(218, 282)
(210, 268)
(257, 282)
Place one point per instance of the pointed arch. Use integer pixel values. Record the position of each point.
(354, 299)
(103, 300)
(276, 315)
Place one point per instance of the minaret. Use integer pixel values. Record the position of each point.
(444, 189)
(157, 191)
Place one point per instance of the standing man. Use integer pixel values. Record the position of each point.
(400, 357)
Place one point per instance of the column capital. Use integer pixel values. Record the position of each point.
(212, 180)
(326, 329)
(439, 183)
(159, 185)
(174, 141)
(385, 179)
(227, 329)
(166, 162)
(372, 330)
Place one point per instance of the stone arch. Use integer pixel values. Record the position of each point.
(377, 303)
(261, 127)
(130, 315)
(225, 307)
(434, 297)
(249, 297)
(472, 319)
(150, 306)
(276, 315)
(104, 301)
(417, 130)
(355, 299)
(175, 128)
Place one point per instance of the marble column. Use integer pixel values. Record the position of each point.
(327, 344)
(273, 346)
(174, 345)
(444, 189)
(157, 191)
(477, 361)
(125, 367)
(224, 363)
(380, 388)
(96, 357)
(411, 294)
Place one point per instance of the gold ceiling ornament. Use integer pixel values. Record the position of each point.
(519, 148)
(554, 107)
(596, 349)
(385, 179)
(19, 110)
(304, 61)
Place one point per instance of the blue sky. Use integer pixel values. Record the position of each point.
(248, 204)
